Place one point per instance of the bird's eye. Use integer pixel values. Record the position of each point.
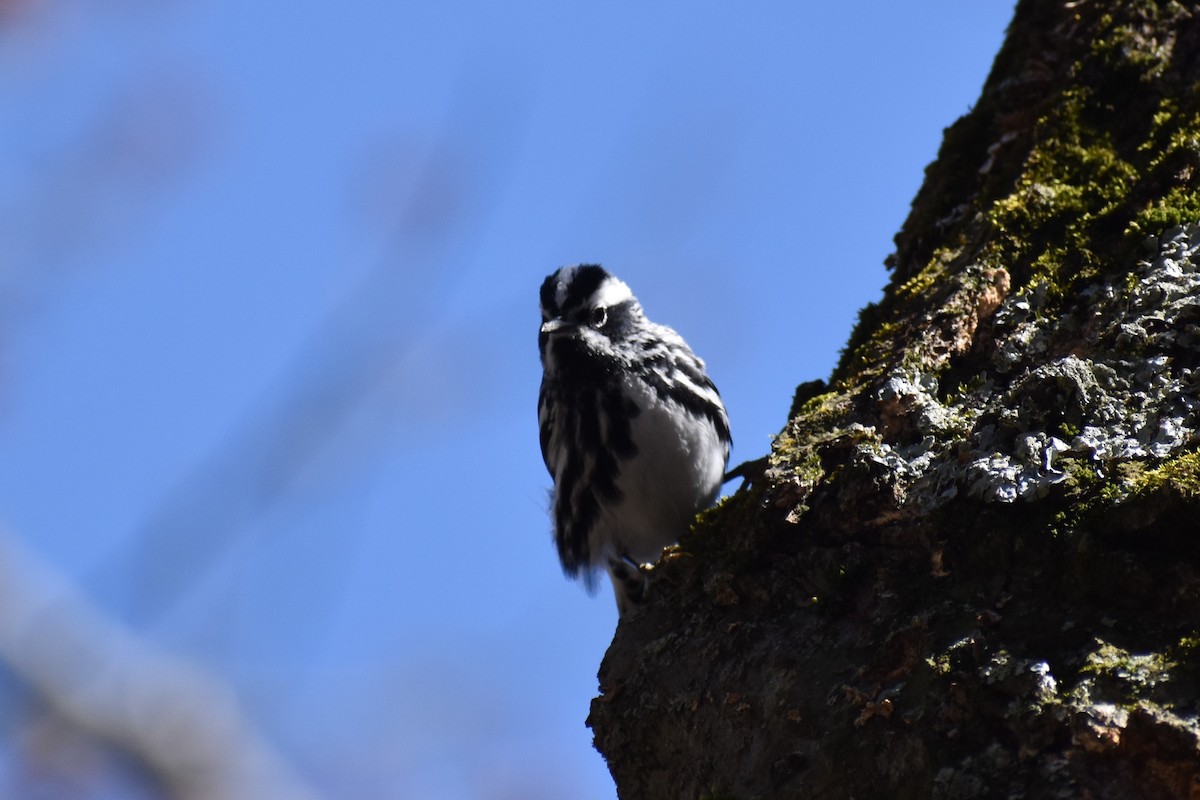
(599, 316)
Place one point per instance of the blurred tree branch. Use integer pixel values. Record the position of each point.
(182, 723)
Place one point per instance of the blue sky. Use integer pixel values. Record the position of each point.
(268, 368)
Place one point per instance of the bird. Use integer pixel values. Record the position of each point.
(633, 431)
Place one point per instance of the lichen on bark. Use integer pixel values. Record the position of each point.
(973, 566)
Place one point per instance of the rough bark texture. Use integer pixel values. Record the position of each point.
(973, 567)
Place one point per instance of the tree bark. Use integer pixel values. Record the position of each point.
(972, 569)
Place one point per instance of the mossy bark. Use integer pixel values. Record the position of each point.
(972, 569)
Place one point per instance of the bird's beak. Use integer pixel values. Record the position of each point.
(552, 327)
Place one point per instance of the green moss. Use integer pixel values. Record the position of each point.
(708, 537)
(1186, 649)
(1045, 228)
(1172, 153)
(940, 664)
(1111, 158)
(796, 450)
(814, 420)
(1137, 479)
(1178, 206)
(866, 358)
(1181, 474)
(796, 464)
(1172, 129)
(1135, 676)
(804, 392)
(822, 408)
(1093, 497)
(930, 277)
(1082, 482)
(1126, 54)
(867, 346)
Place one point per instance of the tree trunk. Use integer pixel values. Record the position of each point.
(972, 569)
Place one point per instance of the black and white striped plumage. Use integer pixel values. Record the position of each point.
(633, 431)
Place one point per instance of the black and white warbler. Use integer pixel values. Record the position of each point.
(633, 431)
